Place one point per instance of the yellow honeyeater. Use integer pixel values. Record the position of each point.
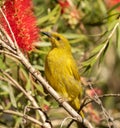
(61, 71)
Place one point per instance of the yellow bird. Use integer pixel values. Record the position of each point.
(61, 71)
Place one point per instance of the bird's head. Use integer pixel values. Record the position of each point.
(58, 40)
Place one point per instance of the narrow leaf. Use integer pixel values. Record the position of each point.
(118, 40)
(12, 97)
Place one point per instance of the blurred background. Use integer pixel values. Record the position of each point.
(93, 30)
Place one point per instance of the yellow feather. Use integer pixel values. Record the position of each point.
(61, 71)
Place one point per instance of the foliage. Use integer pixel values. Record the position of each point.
(93, 29)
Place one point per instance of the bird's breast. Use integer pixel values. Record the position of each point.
(57, 57)
(56, 63)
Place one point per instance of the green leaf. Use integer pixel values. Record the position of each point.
(101, 6)
(73, 36)
(97, 49)
(26, 77)
(28, 85)
(43, 44)
(97, 54)
(39, 88)
(89, 63)
(118, 40)
(24, 73)
(2, 64)
(51, 17)
(38, 67)
(12, 97)
(103, 53)
(19, 96)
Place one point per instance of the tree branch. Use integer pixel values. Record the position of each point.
(97, 100)
(22, 115)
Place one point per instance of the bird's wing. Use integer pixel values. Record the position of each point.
(73, 69)
(72, 80)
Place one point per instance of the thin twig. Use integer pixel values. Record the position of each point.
(22, 115)
(7, 46)
(109, 95)
(89, 100)
(99, 102)
(65, 120)
(10, 54)
(108, 39)
(13, 45)
(7, 36)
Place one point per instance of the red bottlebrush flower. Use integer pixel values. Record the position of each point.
(93, 114)
(75, 13)
(46, 108)
(63, 4)
(114, 1)
(92, 92)
(111, 3)
(22, 22)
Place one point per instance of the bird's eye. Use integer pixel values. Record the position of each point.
(58, 38)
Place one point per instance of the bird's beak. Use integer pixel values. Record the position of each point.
(47, 34)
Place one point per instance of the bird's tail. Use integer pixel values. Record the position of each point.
(80, 125)
(76, 105)
(81, 114)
